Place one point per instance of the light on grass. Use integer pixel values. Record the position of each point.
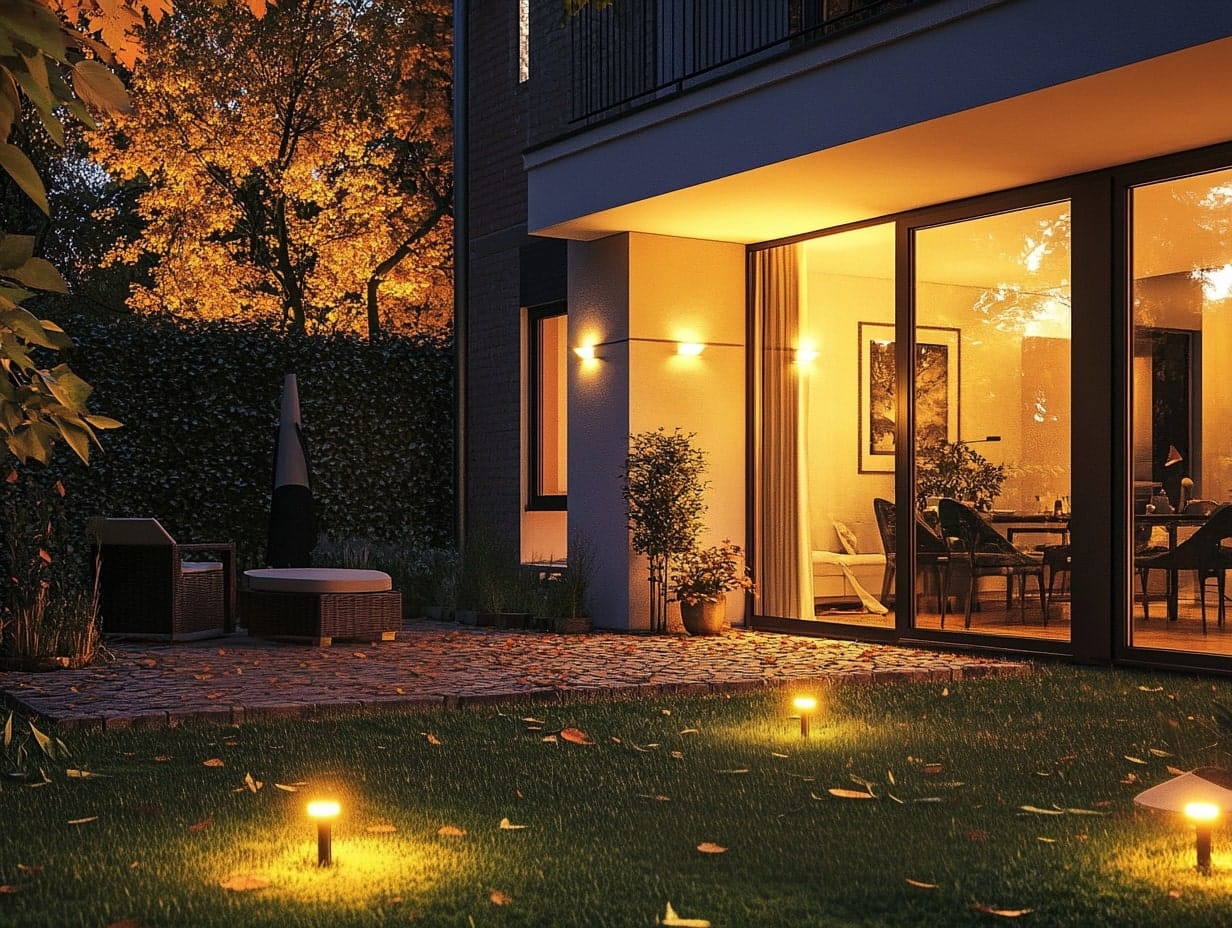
(806, 706)
(1202, 814)
(1201, 794)
(324, 811)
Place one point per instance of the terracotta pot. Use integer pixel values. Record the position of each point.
(705, 618)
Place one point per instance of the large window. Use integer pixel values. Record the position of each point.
(1181, 292)
(992, 417)
(548, 432)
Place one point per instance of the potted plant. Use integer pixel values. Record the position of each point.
(956, 470)
(664, 489)
(702, 580)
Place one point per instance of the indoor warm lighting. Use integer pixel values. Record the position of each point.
(805, 705)
(324, 811)
(585, 352)
(690, 349)
(1202, 814)
(806, 355)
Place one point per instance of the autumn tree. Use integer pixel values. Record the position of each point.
(295, 168)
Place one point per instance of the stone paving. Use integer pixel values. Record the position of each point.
(441, 665)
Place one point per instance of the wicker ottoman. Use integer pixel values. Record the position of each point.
(315, 605)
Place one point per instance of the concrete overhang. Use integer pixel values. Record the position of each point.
(1159, 105)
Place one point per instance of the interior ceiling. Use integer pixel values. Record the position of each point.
(1171, 103)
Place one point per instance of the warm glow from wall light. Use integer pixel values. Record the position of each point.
(690, 349)
(1202, 811)
(806, 355)
(585, 352)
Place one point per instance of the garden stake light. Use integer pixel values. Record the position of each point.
(805, 706)
(324, 811)
(1202, 814)
(1201, 794)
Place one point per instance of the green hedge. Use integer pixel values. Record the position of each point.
(199, 402)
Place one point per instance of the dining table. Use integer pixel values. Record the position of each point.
(1012, 522)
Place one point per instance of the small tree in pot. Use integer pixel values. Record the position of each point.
(956, 470)
(663, 486)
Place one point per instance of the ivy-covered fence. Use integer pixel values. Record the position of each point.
(199, 403)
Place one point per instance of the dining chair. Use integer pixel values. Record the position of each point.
(1203, 552)
(930, 551)
(986, 553)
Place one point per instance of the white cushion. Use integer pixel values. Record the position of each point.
(318, 580)
(850, 560)
(199, 567)
(846, 538)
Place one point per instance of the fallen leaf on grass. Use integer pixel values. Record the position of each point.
(1003, 913)
(500, 898)
(214, 762)
(126, 923)
(450, 831)
(1036, 810)
(932, 769)
(532, 721)
(83, 774)
(507, 825)
(920, 884)
(1159, 753)
(689, 731)
(709, 847)
(678, 755)
(253, 785)
(82, 821)
(1129, 779)
(286, 788)
(1044, 840)
(1176, 771)
(432, 739)
(666, 712)
(734, 770)
(382, 829)
(850, 793)
(35, 869)
(550, 739)
(777, 754)
(163, 758)
(7, 890)
(243, 882)
(1134, 760)
(673, 920)
(203, 824)
(1151, 689)
(576, 736)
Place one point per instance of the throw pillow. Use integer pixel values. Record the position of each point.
(846, 538)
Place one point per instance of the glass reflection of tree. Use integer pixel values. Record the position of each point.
(1018, 307)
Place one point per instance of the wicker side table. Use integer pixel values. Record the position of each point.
(316, 605)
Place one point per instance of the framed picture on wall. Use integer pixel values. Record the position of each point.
(937, 372)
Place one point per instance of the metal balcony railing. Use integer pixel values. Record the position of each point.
(632, 52)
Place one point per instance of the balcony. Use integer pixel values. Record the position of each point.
(634, 52)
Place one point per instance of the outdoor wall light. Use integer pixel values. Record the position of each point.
(805, 705)
(806, 355)
(690, 349)
(1201, 794)
(324, 811)
(585, 352)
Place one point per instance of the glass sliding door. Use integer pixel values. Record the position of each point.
(992, 420)
(823, 455)
(1181, 293)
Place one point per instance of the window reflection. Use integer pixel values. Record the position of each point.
(1182, 455)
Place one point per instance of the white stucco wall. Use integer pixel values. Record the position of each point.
(636, 296)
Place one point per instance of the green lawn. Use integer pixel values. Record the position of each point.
(612, 828)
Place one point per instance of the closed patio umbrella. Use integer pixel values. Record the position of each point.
(292, 533)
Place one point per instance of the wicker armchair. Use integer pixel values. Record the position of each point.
(147, 586)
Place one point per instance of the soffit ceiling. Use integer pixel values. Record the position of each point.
(1170, 103)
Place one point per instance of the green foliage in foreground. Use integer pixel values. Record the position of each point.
(612, 828)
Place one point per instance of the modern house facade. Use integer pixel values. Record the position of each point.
(833, 238)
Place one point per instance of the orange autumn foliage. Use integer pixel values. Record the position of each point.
(295, 168)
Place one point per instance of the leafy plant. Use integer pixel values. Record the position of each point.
(27, 749)
(706, 574)
(956, 470)
(565, 594)
(664, 488)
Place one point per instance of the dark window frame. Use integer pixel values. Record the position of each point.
(536, 501)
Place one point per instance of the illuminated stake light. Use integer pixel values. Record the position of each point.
(324, 811)
(1202, 814)
(690, 349)
(805, 705)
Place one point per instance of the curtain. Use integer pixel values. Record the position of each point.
(784, 555)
